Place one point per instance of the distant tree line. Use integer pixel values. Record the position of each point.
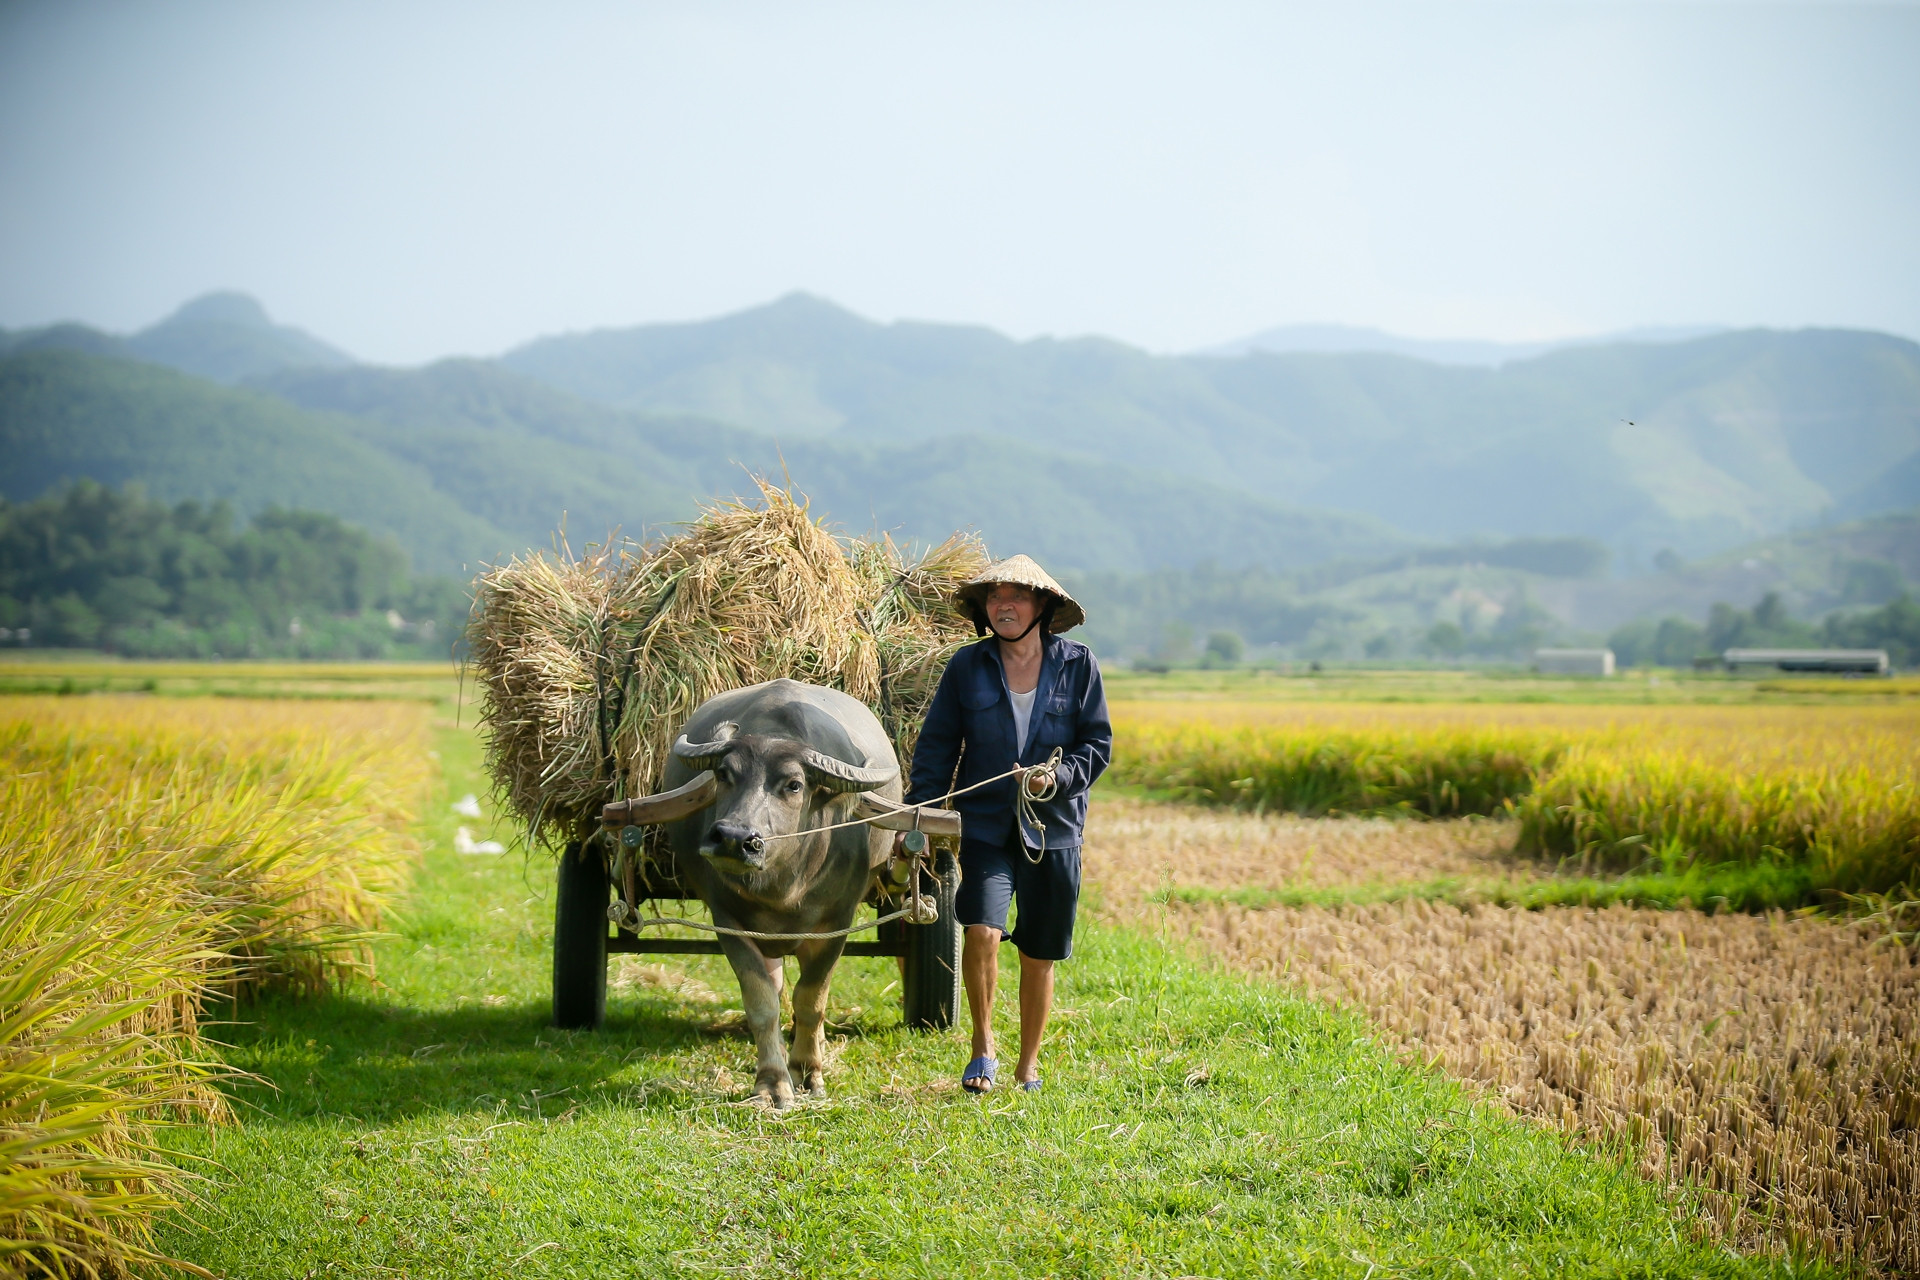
(1210, 616)
(1677, 642)
(1549, 557)
(1153, 611)
(1520, 628)
(90, 567)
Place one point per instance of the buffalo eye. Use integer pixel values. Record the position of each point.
(794, 786)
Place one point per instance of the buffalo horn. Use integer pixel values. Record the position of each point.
(705, 755)
(838, 775)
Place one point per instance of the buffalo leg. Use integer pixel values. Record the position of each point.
(761, 995)
(808, 1062)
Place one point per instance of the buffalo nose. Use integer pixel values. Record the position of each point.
(733, 838)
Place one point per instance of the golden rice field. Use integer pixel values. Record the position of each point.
(1772, 1060)
(1826, 790)
(155, 854)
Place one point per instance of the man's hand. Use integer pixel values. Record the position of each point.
(1039, 779)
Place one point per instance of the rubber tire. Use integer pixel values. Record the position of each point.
(930, 987)
(580, 940)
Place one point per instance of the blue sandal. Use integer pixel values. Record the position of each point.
(980, 1069)
(1030, 1086)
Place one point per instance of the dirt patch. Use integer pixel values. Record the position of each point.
(1136, 848)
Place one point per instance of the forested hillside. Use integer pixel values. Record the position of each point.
(1844, 584)
(1695, 446)
(93, 568)
(507, 444)
(68, 416)
(464, 462)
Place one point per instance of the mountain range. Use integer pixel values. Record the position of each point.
(465, 462)
(1089, 453)
(225, 337)
(1695, 445)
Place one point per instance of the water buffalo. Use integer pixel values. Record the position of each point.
(789, 758)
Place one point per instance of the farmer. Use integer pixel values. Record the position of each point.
(1027, 708)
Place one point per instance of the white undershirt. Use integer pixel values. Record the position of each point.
(1022, 715)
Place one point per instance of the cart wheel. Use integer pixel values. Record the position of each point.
(580, 940)
(930, 987)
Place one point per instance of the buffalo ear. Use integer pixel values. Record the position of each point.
(705, 755)
(839, 776)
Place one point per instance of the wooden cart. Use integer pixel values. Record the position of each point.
(592, 872)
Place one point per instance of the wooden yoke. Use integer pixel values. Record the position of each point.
(699, 791)
(894, 816)
(691, 796)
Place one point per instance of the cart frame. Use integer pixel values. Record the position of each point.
(584, 934)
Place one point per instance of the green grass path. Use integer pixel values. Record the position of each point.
(1193, 1124)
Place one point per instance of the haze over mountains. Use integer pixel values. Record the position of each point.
(1092, 454)
(1339, 339)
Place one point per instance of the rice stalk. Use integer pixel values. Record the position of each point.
(1853, 829)
(1432, 773)
(97, 1045)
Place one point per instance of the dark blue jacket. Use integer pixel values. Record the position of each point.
(972, 710)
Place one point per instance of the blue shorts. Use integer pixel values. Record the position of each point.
(1048, 893)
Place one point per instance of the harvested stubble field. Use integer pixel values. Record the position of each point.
(1772, 1061)
(155, 855)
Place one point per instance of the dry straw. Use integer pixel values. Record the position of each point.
(589, 665)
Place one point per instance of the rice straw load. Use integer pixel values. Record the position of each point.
(589, 665)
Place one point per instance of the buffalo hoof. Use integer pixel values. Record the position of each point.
(775, 1088)
(812, 1079)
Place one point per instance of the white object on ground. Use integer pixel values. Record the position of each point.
(468, 806)
(463, 842)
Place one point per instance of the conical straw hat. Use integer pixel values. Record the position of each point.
(1022, 571)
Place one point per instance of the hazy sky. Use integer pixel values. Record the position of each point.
(414, 180)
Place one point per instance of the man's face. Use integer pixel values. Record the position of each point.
(1011, 609)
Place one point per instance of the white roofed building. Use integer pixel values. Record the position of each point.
(1573, 662)
(1871, 662)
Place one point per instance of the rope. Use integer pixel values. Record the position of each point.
(642, 922)
(1025, 807)
(1022, 802)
